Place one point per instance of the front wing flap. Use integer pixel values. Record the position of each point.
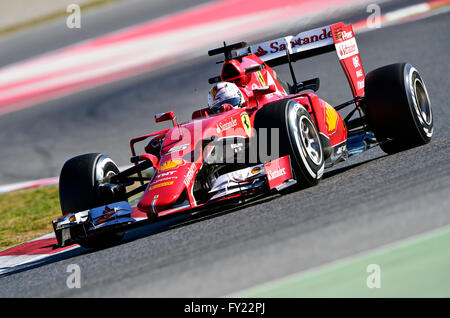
(71, 228)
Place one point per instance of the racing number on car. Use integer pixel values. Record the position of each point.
(246, 123)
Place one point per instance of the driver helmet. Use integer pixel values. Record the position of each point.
(224, 93)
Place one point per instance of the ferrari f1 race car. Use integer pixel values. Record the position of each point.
(282, 136)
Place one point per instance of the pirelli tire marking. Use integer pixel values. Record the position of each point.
(311, 148)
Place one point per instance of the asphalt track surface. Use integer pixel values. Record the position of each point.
(369, 201)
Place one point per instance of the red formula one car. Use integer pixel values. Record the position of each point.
(281, 136)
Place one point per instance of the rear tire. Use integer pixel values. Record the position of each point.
(398, 107)
(78, 191)
(298, 137)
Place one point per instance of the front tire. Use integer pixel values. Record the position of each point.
(398, 107)
(79, 183)
(298, 137)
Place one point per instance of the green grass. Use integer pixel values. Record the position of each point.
(27, 214)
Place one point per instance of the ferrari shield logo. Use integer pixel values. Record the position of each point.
(246, 123)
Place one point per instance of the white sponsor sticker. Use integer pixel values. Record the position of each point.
(347, 35)
(178, 148)
(360, 84)
(165, 174)
(347, 48)
(189, 175)
(359, 73)
(227, 125)
(356, 63)
(277, 173)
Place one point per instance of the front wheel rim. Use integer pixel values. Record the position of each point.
(422, 102)
(310, 140)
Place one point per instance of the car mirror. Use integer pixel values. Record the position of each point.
(264, 90)
(164, 117)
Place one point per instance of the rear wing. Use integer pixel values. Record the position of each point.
(337, 37)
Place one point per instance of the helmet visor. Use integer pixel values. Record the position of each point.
(232, 101)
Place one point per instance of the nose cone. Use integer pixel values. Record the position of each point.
(166, 187)
(157, 200)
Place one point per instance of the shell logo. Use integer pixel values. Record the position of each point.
(171, 164)
(331, 117)
(256, 170)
